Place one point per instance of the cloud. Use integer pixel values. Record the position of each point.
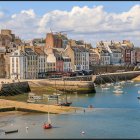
(92, 21)
(23, 24)
(87, 23)
(1, 14)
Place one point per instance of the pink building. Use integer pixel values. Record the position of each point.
(59, 61)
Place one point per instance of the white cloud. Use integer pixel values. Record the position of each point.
(88, 23)
(1, 14)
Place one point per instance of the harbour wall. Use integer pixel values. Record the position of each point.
(115, 77)
(69, 86)
(15, 88)
(81, 84)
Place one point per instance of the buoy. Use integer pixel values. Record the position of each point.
(83, 132)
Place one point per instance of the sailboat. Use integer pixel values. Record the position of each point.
(48, 124)
(65, 103)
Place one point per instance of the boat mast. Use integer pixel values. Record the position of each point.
(65, 90)
(49, 121)
(56, 90)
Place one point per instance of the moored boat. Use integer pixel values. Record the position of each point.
(118, 91)
(30, 101)
(11, 131)
(65, 104)
(138, 97)
(48, 125)
(52, 97)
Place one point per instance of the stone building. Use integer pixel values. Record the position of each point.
(56, 40)
(79, 57)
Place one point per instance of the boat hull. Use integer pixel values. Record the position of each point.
(47, 126)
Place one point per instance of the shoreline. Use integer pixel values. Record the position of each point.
(41, 108)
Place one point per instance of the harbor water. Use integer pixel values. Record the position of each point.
(112, 116)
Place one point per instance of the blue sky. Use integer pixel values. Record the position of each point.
(42, 7)
(91, 21)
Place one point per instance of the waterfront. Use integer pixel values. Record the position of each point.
(113, 116)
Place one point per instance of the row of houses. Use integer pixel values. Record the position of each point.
(31, 62)
(56, 53)
(114, 53)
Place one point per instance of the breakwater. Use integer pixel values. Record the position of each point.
(115, 77)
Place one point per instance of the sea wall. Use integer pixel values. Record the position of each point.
(67, 86)
(114, 77)
(15, 88)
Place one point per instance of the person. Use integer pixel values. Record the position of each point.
(90, 106)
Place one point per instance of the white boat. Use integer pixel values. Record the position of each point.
(129, 81)
(116, 87)
(137, 85)
(37, 97)
(105, 88)
(33, 96)
(30, 101)
(138, 91)
(122, 82)
(52, 97)
(118, 91)
(57, 94)
(109, 84)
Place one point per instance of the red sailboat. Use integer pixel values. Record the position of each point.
(47, 125)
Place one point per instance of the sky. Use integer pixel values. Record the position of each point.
(91, 21)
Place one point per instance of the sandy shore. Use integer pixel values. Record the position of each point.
(38, 107)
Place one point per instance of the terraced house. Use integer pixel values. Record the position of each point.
(24, 64)
(79, 57)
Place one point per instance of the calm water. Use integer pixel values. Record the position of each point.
(114, 116)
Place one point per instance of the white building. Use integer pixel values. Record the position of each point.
(24, 64)
(50, 60)
(105, 57)
(67, 64)
(17, 65)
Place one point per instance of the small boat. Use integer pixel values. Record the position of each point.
(37, 97)
(105, 88)
(138, 91)
(57, 94)
(109, 84)
(65, 104)
(137, 85)
(122, 82)
(48, 124)
(129, 81)
(138, 97)
(118, 91)
(116, 87)
(52, 97)
(30, 101)
(11, 131)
